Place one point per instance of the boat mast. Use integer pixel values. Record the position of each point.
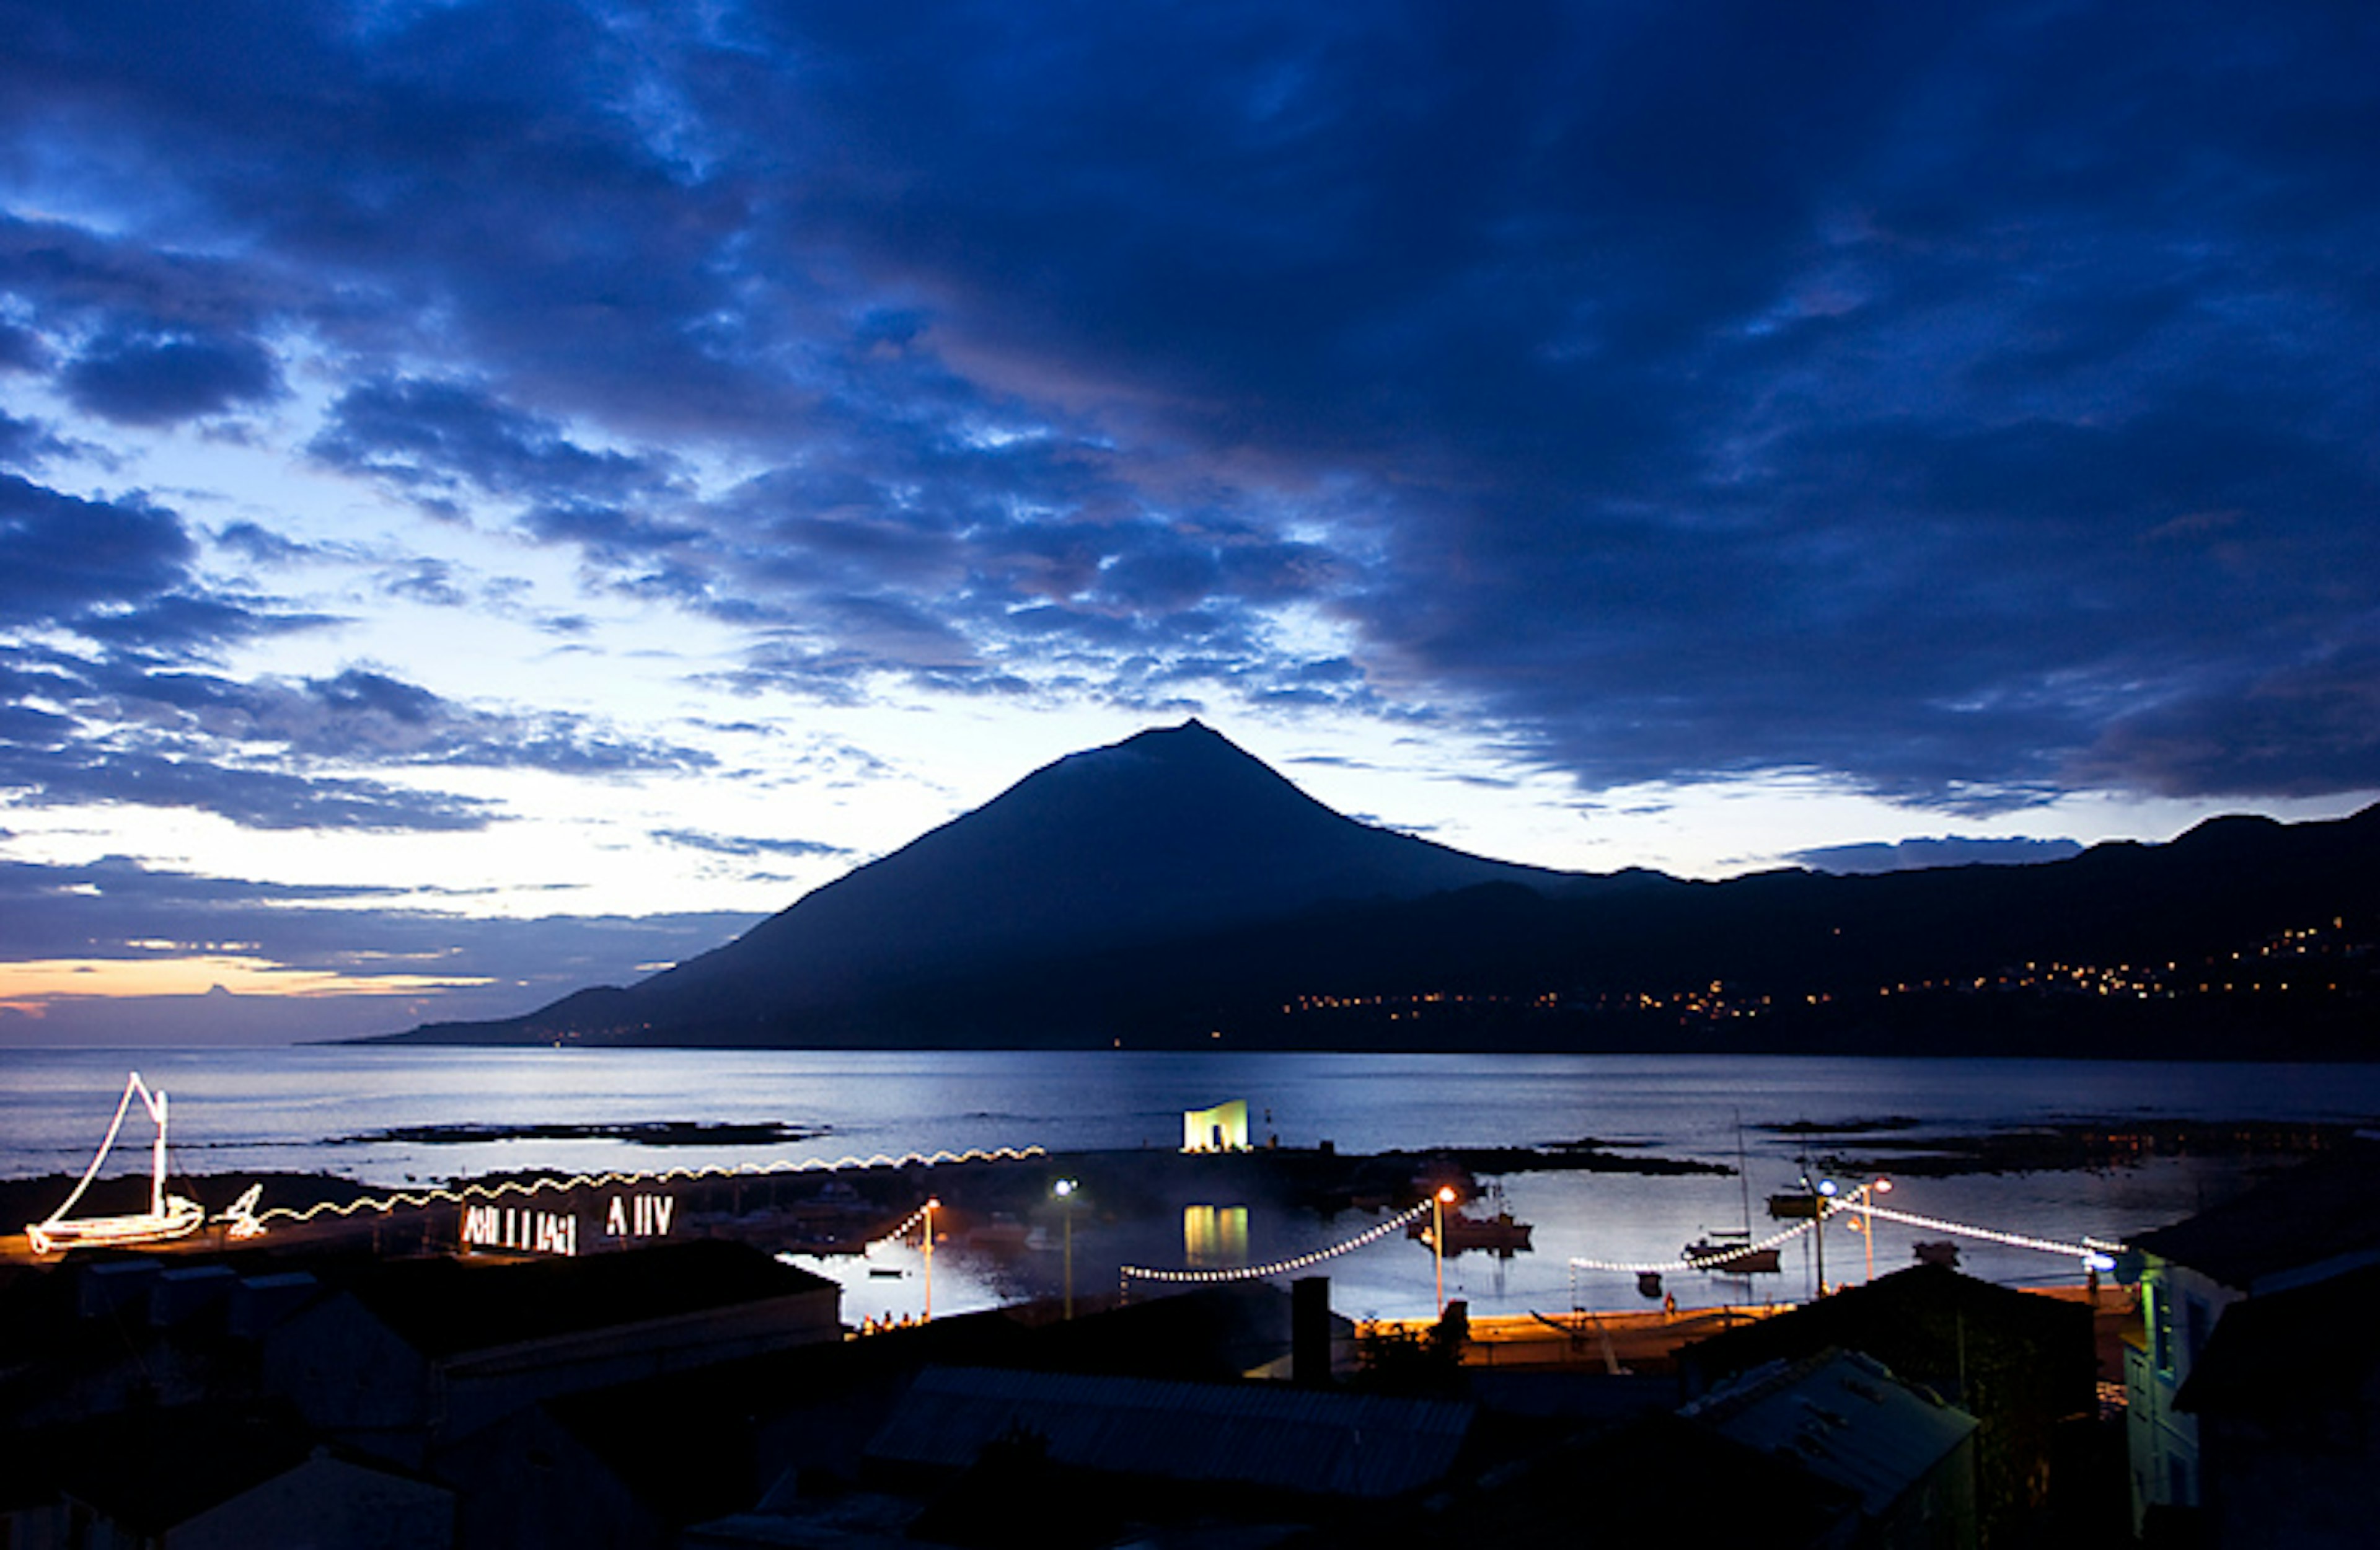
(1743, 1174)
(156, 1103)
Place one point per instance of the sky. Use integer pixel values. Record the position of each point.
(498, 497)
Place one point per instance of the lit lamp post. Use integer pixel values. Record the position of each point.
(1818, 1233)
(1438, 1205)
(1866, 1223)
(930, 1205)
(1064, 1190)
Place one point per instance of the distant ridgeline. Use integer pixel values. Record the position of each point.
(1173, 891)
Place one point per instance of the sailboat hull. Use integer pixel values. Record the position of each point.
(179, 1219)
(1740, 1261)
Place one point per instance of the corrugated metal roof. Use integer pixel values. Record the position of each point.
(1843, 1417)
(1333, 1444)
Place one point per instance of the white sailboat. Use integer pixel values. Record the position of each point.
(168, 1217)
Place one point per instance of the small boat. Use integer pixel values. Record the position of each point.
(1497, 1234)
(168, 1217)
(1729, 1253)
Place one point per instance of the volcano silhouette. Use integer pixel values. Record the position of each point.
(1171, 834)
(1171, 890)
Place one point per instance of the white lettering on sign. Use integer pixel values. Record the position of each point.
(507, 1227)
(639, 1216)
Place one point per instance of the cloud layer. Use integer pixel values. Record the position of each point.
(1962, 407)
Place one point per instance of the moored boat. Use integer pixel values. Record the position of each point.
(1496, 1234)
(1727, 1254)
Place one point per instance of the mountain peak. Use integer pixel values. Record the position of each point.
(1174, 830)
(1192, 737)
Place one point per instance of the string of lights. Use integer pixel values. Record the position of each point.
(1712, 1261)
(2090, 1254)
(913, 1219)
(529, 1189)
(1284, 1267)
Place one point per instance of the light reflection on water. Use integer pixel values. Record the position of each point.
(295, 1108)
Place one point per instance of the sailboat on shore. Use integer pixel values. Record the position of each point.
(168, 1217)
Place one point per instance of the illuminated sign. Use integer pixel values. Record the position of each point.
(509, 1227)
(639, 1216)
(556, 1232)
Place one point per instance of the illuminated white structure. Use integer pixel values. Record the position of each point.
(1223, 1127)
(168, 1217)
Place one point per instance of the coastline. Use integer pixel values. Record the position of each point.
(818, 1210)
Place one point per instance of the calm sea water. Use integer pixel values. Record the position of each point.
(311, 1109)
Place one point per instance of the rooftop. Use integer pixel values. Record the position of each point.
(2316, 1219)
(1845, 1418)
(443, 1307)
(1258, 1434)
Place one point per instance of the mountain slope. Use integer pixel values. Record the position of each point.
(1171, 889)
(1169, 833)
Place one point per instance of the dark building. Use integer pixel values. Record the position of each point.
(2286, 1397)
(2025, 1367)
(414, 1354)
(634, 1464)
(1906, 1458)
(213, 1477)
(2315, 1223)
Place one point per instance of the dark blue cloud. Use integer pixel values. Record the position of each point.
(362, 716)
(61, 555)
(21, 349)
(81, 774)
(433, 436)
(116, 907)
(128, 728)
(26, 443)
(1948, 850)
(1961, 405)
(119, 909)
(160, 380)
(746, 845)
(261, 545)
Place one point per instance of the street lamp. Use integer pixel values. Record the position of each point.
(1064, 1190)
(1438, 1205)
(931, 1204)
(1825, 1197)
(1867, 1193)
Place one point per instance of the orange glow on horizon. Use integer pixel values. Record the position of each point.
(29, 986)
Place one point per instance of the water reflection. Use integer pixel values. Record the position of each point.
(1214, 1237)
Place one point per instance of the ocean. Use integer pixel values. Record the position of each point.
(339, 1110)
